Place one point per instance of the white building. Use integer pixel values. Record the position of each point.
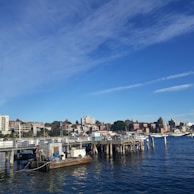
(88, 124)
(189, 124)
(87, 120)
(4, 124)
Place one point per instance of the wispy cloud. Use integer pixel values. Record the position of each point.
(170, 77)
(110, 90)
(45, 41)
(176, 76)
(174, 88)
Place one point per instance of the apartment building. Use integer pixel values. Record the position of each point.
(4, 124)
(87, 120)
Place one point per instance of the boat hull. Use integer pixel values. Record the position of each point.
(45, 166)
(69, 162)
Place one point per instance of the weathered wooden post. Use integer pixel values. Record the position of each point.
(134, 147)
(110, 150)
(142, 145)
(95, 150)
(6, 156)
(147, 144)
(11, 158)
(152, 141)
(6, 159)
(165, 140)
(107, 149)
(123, 149)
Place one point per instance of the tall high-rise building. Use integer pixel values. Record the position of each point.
(4, 124)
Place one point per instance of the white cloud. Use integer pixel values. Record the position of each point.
(174, 88)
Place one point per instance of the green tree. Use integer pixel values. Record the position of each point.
(55, 129)
(118, 126)
(54, 132)
(98, 122)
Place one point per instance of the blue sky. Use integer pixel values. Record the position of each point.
(112, 60)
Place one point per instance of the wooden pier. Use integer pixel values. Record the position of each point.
(110, 147)
(104, 146)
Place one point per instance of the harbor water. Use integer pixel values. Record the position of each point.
(163, 169)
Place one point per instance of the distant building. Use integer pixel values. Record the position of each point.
(174, 123)
(147, 130)
(189, 124)
(14, 125)
(35, 126)
(87, 120)
(20, 127)
(88, 124)
(4, 124)
(136, 126)
(67, 126)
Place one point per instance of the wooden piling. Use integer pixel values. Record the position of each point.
(142, 145)
(152, 141)
(123, 146)
(110, 150)
(107, 149)
(95, 150)
(6, 156)
(121, 150)
(165, 140)
(147, 144)
(11, 158)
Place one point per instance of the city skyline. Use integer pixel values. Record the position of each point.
(80, 121)
(112, 60)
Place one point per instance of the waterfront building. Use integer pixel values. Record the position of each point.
(4, 124)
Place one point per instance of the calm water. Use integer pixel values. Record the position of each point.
(164, 169)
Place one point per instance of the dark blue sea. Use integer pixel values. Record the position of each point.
(163, 169)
